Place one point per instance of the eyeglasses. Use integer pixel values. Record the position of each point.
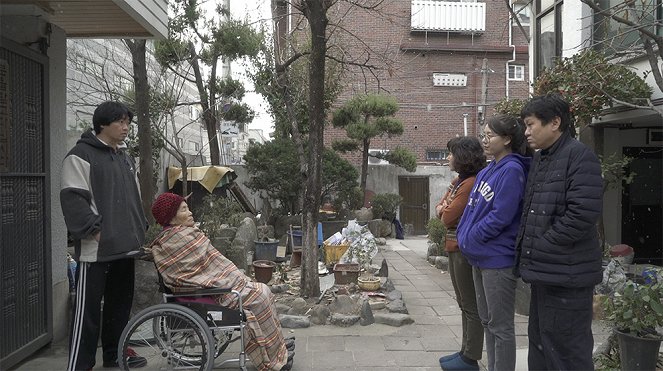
(486, 138)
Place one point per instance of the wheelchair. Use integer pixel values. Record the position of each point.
(186, 331)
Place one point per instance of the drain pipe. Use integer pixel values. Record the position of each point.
(513, 56)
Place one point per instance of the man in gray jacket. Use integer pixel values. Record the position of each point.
(558, 251)
(101, 204)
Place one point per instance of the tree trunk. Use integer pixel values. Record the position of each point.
(316, 13)
(364, 168)
(209, 111)
(146, 175)
(210, 125)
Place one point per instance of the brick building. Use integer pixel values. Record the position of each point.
(447, 63)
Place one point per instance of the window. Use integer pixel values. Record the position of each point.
(436, 154)
(516, 72)
(611, 36)
(193, 113)
(548, 41)
(522, 10)
(194, 145)
(180, 142)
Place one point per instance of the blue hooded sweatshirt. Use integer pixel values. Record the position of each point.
(489, 226)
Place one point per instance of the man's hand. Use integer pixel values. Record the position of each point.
(97, 236)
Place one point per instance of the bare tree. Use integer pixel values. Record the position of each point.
(99, 72)
(142, 89)
(630, 25)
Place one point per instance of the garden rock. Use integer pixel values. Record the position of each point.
(222, 244)
(243, 243)
(228, 232)
(433, 249)
(364, 215)
(343, 304)
(384, 269)
(282, 308)
(279, 289)
(298, 307)
(343, 320)
(319, 314)
(366, 314)
(393, 319)
(394, 295)
(442, 263)
(288, 321)
(388, 286)
(147, 286)
(377, 305)
(397, 306)
(379, 227)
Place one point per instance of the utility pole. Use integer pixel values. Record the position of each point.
(484, 90)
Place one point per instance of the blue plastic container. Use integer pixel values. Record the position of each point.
(296, 237)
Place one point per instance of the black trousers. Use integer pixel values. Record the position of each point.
(560, 328)
(114, 282)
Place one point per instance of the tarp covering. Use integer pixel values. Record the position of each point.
(209, 177)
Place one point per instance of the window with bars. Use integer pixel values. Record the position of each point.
(436, 154)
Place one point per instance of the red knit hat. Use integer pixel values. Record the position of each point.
(165, 207)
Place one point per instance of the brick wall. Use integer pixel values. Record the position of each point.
(431, 115)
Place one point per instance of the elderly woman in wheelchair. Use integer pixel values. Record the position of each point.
(192, 268)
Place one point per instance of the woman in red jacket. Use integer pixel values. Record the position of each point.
(467, 158)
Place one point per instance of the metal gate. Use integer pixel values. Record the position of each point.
(25, 263)
(414, 208)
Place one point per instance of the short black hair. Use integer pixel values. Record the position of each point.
(546, 108)
(108, 112)
(469, 157)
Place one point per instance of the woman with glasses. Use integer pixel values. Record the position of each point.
(487, 234)
(466, 157)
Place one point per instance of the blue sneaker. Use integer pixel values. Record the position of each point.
(448, 358)
(458, 364)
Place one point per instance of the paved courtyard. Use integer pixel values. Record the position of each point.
(429, 297)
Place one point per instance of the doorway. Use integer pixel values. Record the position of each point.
(414, 208)
(642, 215)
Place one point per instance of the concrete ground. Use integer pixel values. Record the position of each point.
(429, 297)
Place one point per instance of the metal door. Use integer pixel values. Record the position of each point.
(642, 213)
(25, 264)
(414, 208)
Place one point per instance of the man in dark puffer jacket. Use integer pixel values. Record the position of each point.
(558, 251)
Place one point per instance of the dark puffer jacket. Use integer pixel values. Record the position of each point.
(557, 242)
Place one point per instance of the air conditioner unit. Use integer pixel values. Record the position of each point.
(373, 160)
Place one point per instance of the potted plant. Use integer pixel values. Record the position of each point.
(362, 249)
(635, 312)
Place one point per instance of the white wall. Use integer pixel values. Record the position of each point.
(58, 134)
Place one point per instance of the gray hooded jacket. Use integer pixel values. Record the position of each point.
(100, 193)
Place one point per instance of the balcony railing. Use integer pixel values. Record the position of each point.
(447, 16)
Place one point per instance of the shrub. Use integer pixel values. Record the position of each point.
(436, 231)
(350, 199)
(215, 211)
(385, 205)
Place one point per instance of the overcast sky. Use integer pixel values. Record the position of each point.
(254, 11)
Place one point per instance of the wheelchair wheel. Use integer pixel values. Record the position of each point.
(169, 337)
